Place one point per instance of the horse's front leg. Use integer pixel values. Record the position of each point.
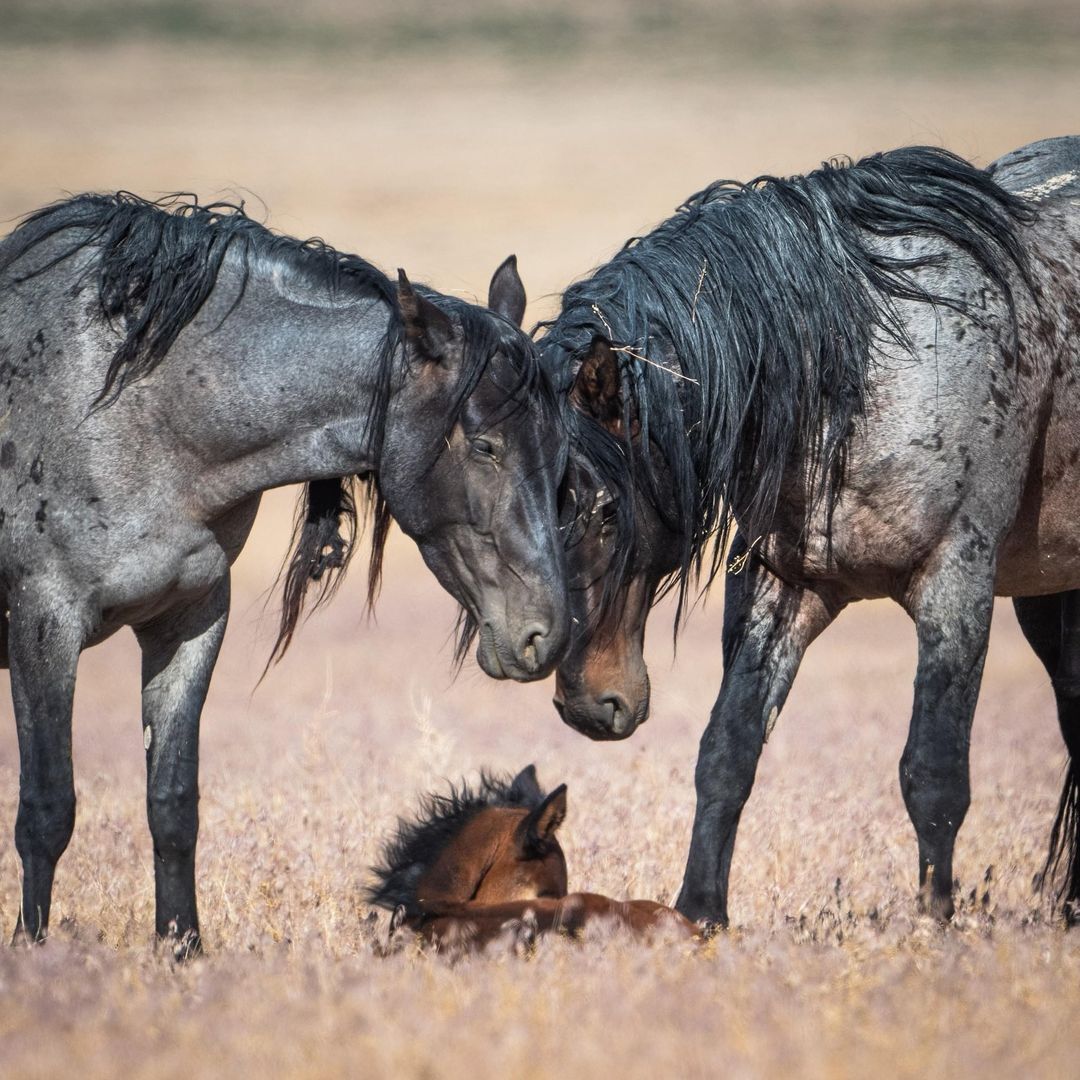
(179, 652)
(45, 638)
(951, 602)
(768, 625)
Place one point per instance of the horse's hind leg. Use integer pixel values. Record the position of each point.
(767, 628)
(44, 641)
(179, 652)
(952, 605)
(1051, 625)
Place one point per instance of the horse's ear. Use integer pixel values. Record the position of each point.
(397, 918)
(506, 294)
(539, 828)
(525, 787)
(597, 386)
(428, 329)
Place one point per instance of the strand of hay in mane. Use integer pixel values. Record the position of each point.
(636, 355)
(738, 564)
(662, 367)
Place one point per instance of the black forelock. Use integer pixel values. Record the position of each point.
(744, 325)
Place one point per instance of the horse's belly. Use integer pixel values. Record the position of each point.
(1036, 565)
(1041, 553)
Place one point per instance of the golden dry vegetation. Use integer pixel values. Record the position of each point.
(444, 160)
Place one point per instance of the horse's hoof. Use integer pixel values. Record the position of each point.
(940, 908)
(182, 947)
(22, 940)
(710, 928)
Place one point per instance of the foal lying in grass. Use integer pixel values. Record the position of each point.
(478, 865)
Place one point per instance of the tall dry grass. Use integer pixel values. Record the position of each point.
(444, 165)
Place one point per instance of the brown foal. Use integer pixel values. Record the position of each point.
(482, 865)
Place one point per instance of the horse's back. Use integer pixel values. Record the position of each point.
(1049, 167)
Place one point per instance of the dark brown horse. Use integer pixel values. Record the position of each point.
(483, 865)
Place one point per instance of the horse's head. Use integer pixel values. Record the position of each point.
(617, 556)
(470, 464)
(502, 854)
(492, 844)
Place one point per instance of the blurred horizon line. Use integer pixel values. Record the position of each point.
(844, 34)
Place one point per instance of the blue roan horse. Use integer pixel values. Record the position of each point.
(873, 373)
(160, 367)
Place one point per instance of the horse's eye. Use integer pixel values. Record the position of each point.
(484, 447)
(605, 507)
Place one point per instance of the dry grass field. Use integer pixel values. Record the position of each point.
(442, 160)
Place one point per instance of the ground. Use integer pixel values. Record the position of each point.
(443, 162)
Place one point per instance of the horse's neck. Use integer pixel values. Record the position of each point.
(276, 387)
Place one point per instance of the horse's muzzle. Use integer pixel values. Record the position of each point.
(606, 717)
(536, 649)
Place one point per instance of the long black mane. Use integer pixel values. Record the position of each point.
(156, 264)
(418, 841)
(744, 326)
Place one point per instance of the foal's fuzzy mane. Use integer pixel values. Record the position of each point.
(156, 264)
(744, 326)
(417, 841)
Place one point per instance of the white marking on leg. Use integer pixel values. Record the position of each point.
(770, 721)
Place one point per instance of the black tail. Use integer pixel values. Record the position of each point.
(1064, 854)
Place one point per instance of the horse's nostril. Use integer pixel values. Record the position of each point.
(531, 652)
(560, 708)
(620, 718)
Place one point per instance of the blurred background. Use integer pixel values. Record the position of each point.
(441, 137)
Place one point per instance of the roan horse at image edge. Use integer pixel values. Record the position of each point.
(164, 364)
(872, 373)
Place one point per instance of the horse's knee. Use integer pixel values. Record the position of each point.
(174, 820)
(725, 764)
(44, 823)
(936, 798)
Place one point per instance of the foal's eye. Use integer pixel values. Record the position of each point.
(484, 447)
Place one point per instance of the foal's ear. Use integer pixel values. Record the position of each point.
(539, 828)
(428, 328)
(525, 787)
(597, 388)
(506, 294)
